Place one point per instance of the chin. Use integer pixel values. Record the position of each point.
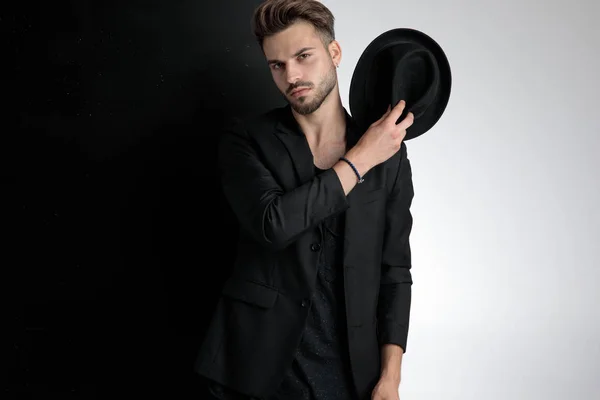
(305, 108)
(300, 100)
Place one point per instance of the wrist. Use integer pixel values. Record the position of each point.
(357, 157)
(391, 376)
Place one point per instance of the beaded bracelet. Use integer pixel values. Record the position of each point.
(360, 178)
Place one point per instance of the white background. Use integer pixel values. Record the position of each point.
(506, 238)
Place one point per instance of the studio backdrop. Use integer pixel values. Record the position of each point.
(119, 238)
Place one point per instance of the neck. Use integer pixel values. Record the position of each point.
(325, 124)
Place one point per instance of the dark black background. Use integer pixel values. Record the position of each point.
(116, 235)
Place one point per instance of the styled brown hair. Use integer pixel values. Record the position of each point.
(274, 16)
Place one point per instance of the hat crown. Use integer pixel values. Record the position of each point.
(415, 77)
(403, 71)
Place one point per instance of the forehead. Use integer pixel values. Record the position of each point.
(286, 43)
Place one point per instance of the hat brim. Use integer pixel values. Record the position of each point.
(358, 91)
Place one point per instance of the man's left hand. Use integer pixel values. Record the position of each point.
(386, 389)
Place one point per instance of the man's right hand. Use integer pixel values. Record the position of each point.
(383, 138)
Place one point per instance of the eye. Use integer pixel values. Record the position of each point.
(305, 55)
(276, 65)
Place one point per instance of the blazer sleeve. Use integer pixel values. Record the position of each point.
(396, 280)
(272, 216)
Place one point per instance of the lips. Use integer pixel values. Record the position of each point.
(299, 92)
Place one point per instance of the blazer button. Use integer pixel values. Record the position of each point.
(304, 303)
(315, 247)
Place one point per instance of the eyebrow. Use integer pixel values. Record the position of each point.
(302, 50)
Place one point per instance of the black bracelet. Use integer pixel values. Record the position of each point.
(360, 178)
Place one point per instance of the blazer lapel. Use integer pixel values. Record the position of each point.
(289, 133)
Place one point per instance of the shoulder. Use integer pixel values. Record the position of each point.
(246, 132)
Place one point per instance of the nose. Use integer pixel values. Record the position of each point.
(292, 73)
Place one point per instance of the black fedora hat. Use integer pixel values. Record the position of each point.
(401, 64)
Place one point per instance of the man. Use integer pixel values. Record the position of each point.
(318, 304)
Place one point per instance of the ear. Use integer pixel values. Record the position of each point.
(335, 52)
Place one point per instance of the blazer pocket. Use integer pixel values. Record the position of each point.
(250, 292)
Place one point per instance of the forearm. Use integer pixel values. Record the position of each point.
(290, 214)
(391, 362)
(269, 213)
(294, 212)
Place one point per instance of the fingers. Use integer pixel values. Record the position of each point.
(406, 122)
(392, 114)
(395, 113)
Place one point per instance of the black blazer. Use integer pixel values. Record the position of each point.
(269, 180)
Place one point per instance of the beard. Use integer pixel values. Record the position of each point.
(304, 107)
